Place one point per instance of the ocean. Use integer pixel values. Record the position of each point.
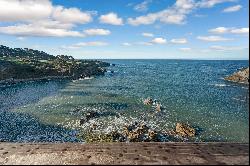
(190, 91)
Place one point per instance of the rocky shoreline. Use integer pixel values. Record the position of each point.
(22, 65)
(139, 132)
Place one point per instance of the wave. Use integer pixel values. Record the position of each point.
(220, 85)
(238, 99)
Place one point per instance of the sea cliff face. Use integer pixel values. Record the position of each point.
(241, 76)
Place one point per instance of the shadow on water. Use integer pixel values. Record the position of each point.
(109, 105)
(75, 93)
(19, 127)
(26, 93)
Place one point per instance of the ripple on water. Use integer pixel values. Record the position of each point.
(191, 93)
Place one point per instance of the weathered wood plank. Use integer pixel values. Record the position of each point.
(124, 153)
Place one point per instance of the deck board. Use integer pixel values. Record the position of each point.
(124, 153)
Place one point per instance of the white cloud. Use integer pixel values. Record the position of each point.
(240, 31)
(175, 14)
(85, 44)
(93, 32)
(212, 38)
(126, 44)
(25, 10)
(211, 3)
(142, 7)
(232, 9)
(179, 41)
(147, 34)
(95, 43)
(227, 48)
(224, 30)
(21, 38)
(159, 40)
(219, 30)
(145, 43)
(40, 18)
(37, 10)
(111, 18)
(38, 30)
(185, 49)
(71, 15)
(200, 15)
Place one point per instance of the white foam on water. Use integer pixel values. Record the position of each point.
(245, 87)
(238, 99)
(86, 78)
(221, 85)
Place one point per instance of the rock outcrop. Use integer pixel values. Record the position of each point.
(141, 133)
(241, 76)
(184, 130)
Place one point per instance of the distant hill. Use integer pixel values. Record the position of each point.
(24, 53)
(18, 63)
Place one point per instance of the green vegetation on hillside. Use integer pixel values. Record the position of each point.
(27, 63)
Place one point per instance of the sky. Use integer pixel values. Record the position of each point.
(129, 29)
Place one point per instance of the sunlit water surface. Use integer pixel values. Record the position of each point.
(192, 92)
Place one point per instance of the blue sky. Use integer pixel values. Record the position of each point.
(125, 29)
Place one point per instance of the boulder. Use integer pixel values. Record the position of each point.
(91, 115)
(140, 133)
(241, 76)
(117, 137)
(184, 130)
(88, 116)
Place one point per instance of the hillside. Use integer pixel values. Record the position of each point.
(27, 63)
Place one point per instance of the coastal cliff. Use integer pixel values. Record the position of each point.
(27, 64)
(241, 76)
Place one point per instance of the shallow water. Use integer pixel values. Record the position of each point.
(190, 91)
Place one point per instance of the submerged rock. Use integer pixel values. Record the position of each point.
(88, 116)
(148, 101)
(241, 76)
(91, 115)
(82, 121)
(140, 133)
(185, 130)
(158, 107)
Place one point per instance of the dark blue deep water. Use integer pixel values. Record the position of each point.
(191, 91)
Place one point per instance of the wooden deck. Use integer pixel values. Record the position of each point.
(124, 153)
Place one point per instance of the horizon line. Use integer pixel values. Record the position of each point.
(158, 59)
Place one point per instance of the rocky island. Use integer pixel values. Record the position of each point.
(27, 64)
(241, 76)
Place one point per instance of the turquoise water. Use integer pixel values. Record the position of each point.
(192, 92)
